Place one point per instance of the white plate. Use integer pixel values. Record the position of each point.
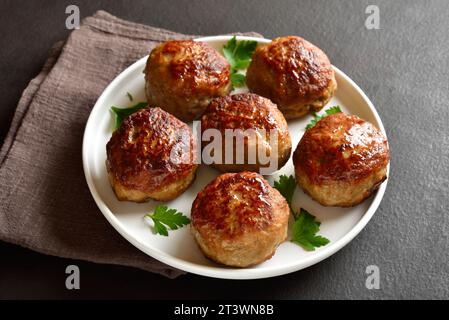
(179, 250)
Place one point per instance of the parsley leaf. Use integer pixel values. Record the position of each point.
(130, 97)
(122, 113)
(239, 54)
(286, 186)
(304, 231)
(238, 79)
(164, 217)
(306, 226)
(328, 112)
(229, 49)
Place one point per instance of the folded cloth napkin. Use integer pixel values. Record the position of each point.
(45, 204)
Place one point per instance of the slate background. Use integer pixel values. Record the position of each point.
(403, 68)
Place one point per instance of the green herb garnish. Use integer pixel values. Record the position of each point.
(130, 97)
(328, 112)
(164, 217)
(239, 54)
(306, 226)
(122, 113)
(286, 186)
(304, 231)
(237, 80)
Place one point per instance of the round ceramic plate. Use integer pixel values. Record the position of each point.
(339, 225)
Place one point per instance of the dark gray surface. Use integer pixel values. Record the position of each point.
(403, 68)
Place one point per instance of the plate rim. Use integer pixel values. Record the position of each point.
(224, 272)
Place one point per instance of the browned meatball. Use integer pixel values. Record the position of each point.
(239, 219)
(257, 118)
(151, 156)
(294, 74)
(183, 76)
(341, 161)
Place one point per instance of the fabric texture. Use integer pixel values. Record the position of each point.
(45, 204)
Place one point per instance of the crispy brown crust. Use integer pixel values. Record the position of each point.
(183, 75)
(294, 74)
(217, 207)
(146, 152)
(341, 148)
(242, 111)
(239, 219)
(248, 111)
(341, 161)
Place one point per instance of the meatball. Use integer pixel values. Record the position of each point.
(255, 129)
(341, 161)
(183, 76)
(151, 156)
(239, 219)
(294, 74)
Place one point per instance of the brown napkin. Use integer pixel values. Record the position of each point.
(45, 204)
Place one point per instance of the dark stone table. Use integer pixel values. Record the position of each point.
(404, 69)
